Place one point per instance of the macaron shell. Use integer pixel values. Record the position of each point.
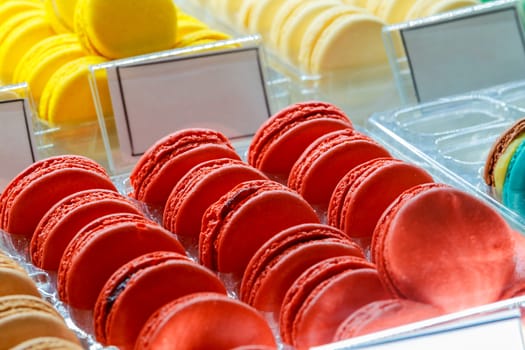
(23, 317)
(47, 343)
(340, 46)
(205, 321)
(15, 282)
(280, 141)
(101, 248)
(394, 11)
(331, 302)
(282, 259)
(67, 96)
(294, 30)
(384, 314)
(199, 188)
(259, 209)
(307, 282)
(322, 165)
(18, 42)
(467, 245)
(170, 158)
(144, 289)
(514, 185)
(270, 289)
(120, 28)
(365, 192)
(35, 190)
(65, 219)
(498, 149)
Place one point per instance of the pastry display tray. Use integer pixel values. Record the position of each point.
(453, 136)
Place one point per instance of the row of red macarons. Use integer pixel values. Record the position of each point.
(265, 233)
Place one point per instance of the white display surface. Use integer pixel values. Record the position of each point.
(17, 150)
(224, 91)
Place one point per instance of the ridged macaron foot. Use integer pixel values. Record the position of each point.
(465, 249)
(202, 185)
(281, 260)
(103, 246)
(27, 198)
(137, 289)
(279, 142)
(324, 163)
(67, 217)
(47, 343)
(325, 295)
(170, 158)
(363, 194)
(242, 220)
(205, 321)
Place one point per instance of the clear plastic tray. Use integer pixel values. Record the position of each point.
(454, 136)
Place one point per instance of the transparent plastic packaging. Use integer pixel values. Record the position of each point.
(454, 135)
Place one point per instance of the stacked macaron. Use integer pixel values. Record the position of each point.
(504, 167)
(51, 45)
(108, 256)
(322, 36)
(25, 318)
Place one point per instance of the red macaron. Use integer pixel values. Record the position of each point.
(281, 260)
(239, 223)
(35, 190)
(383, 314)
(103, 246)
(63, 221)
(317, 171)
(323, 296)
(205, 321)
(199, 188)
(140, 287)
(167, 161)
(438, 245)
(362, 195)
(279, 142)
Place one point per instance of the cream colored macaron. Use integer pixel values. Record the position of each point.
(282, 15)
(295, 27)
(394, 11)
(262, 16)
(244, 14)
(342, 39)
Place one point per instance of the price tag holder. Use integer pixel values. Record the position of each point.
(458, 52)
(221, 90)
(498, 330)
(17, 149)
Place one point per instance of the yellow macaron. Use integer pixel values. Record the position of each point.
(61, 14)
(43, 59)
(11, 8)
(124, 28)
(16, 43)
(67, 98)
